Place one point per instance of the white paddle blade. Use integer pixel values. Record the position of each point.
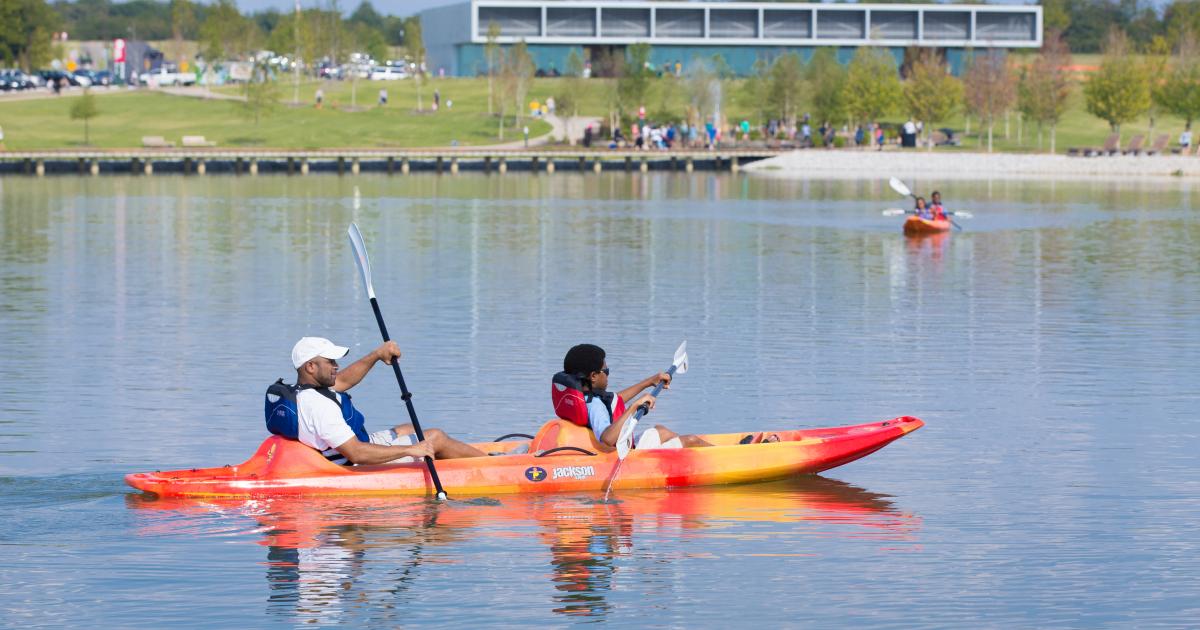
(899, 187)
(681, 361)
(892, 212)
(625, 439)
(360, 258)
(963, 214)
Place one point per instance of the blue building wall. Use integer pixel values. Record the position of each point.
(470, 59)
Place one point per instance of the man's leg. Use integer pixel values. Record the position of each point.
(447, 447)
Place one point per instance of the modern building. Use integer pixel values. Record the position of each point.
(739, 33)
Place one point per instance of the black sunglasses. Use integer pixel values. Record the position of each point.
(605, 370)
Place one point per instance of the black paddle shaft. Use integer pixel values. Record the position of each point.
(644, 408)
(407, 396)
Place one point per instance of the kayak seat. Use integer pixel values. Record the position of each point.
(557, 433)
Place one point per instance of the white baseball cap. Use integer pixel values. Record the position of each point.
(309, 348)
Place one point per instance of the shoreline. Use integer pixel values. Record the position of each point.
(920, 163)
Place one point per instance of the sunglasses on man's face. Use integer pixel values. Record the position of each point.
(604, 370)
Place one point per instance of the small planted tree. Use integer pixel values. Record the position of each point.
(84, 108)
(262, 94)
(1120, 90)
(931, 92)
(872, 86)
(990, 89)
(1180, 93)
(491, 57)
(523, 70)
(634, 79)
(1044, 87)
(786, 81)
(827, 83)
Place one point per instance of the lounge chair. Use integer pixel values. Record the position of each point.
(197, 141)
(1112, 146)
(1160, 145)
(156, 142)
(1135, 145)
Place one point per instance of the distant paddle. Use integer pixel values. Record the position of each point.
(679, 365)
(364, 268)
(895, 212)
(904, 190)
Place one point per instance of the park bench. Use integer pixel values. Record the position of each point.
(197, 141)
(156, 142)
(1160, 145)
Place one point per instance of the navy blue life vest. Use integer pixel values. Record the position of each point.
(283, 417)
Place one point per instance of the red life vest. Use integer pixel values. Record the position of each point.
(570, 401)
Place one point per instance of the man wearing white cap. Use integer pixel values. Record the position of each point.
(328, 422)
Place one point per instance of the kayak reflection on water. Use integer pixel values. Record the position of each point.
(329, 557)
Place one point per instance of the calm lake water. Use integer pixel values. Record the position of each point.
(1052, 347)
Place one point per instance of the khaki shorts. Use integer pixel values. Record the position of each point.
(389, 437)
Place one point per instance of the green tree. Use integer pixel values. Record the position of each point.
(990, 89)
(634, 79)
(785, 84)
(262, 94)
(931, 92)
(1044, 86)
(84, 108)
(827, 83)
(1055, 15)
(757, 89)
(227, 33)
(872, 86)
(1119, 91)
(1180, 93)
(25, 27)
(183, 25)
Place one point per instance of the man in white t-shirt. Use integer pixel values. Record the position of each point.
(329, 423)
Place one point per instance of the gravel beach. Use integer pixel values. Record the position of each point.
(965, 165)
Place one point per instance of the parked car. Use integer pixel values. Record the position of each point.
(104, 77)
(85, 77)
(387, 73)
(53, 76)
(12, 80)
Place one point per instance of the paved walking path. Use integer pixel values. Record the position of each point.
(853, 163)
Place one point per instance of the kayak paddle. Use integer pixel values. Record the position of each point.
(679, 365)
(364, 268)
(904, 190)
(895, 212)
(625, 440)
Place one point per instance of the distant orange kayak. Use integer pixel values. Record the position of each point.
(917, 225)
(562, 457)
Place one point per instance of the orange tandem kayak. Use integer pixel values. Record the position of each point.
(917, 225)
(562, 457)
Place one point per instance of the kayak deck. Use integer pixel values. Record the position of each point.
(562, 458)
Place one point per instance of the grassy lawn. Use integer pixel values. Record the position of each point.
(126, 116)
(353, 119)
